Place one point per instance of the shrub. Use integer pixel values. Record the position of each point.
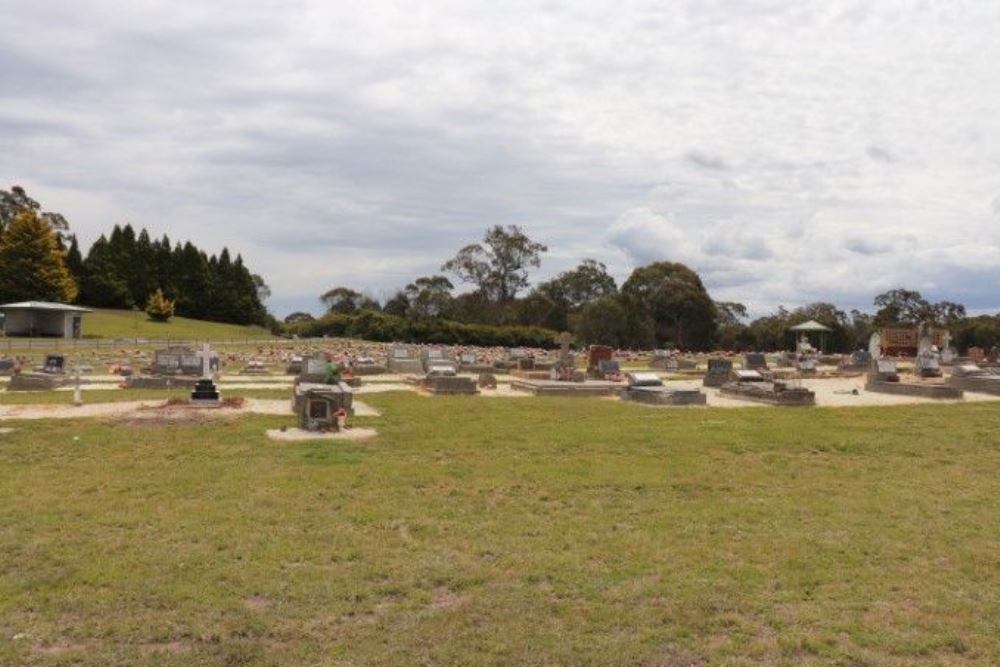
(158, 307)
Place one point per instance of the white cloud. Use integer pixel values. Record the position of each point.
(787, 151)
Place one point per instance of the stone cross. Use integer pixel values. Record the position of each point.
(565, 338)
(206, 361)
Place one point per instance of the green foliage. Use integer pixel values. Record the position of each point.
(981, 331)
(158, 307)
(346, 300)
(375, 326)
(32, 262)
(429, 296)
(498, 267)
(604, 322)
(672, 297)
(123, 269)
(299, 316)
(17, 201)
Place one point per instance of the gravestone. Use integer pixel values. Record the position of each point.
(205, 393)
(755, 361)
(648, 388)
(977, 355)
(55, 364)
(718, 372)
(294, 365)
(402, 360)
(318, 406)
(595, 355)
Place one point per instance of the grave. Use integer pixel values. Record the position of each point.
(883, 378)
(753, 386)
(928, 361)
(7, 366)
(970, 377)
(558, 388)
(469, 362)
(55, 364)
(595, 355)
(205, 393)
(859, 362)
(36, 381)
(316, 405)
(442, 378)
(255, 367)
(755, 361)
(648, 388)
(180, 360)
(718, 372)
(294, 365)
(402, 360)
(365, 364)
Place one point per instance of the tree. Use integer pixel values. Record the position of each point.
(948, 313)
(263, 291)
(398, 305)
(297, 317)
(158, 307)
(732, 333)
(674, 299)
(499, 265)
(429, 296)
(17, 201)
(341, 300)
(604, 322)
(32, 263)
(901, 307)
(588, 282)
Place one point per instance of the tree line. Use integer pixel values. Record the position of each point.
(663, 304)
(41, 260)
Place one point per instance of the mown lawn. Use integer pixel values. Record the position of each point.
(516, 532)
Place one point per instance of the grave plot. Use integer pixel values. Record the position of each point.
(403, 361)
(648, 388)
(52, 375)
(970, 377)
(753, 386)
(883, 377)
(442, 378)
(558, 388)
(718, 372)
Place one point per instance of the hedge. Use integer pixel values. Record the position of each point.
(369, 325)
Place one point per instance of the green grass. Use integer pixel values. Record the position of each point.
(519, 532)
(127, 324)
(124, 395)
(130, 324)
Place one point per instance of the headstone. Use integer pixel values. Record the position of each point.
(718, 373)
(487, 381)
(754, 361)
(205, 392)
(319, 406)
(55, 364)
(747, 376)
(639, 379)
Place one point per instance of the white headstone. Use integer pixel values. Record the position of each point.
(206, 361)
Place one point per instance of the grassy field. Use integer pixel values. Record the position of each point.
(127, 324)
(516, 532)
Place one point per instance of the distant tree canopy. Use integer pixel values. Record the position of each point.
(124, 269)
(17, 201)
(120, 270)
(498, 266)
(32, 262)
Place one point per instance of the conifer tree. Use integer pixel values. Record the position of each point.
(32, 263)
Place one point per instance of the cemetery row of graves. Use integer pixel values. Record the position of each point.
(321, 377)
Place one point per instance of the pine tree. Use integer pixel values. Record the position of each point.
(32, 265)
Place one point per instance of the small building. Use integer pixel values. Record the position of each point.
(43, 319)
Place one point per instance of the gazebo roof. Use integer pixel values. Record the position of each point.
(811, 325)
(44, 305)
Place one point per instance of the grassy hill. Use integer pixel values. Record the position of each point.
(129, 324)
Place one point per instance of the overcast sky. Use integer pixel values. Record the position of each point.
(788, 152)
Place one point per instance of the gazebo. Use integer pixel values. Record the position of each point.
(810, 327)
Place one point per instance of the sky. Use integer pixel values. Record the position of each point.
(789, 152)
